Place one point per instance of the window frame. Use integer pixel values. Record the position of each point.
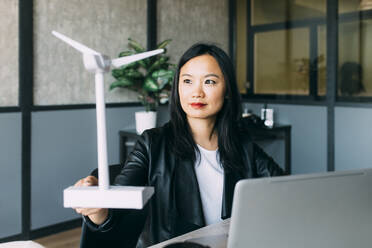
(312, 23)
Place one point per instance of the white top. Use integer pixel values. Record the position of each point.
(210, 178)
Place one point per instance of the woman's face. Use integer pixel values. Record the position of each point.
(201, 87)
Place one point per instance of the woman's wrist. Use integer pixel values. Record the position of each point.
(99, 217)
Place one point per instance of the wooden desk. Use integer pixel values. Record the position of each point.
(217, 234)
(127, 139)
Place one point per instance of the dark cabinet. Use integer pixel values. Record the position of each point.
(128, 139)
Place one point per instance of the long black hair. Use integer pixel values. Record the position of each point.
(227, 119)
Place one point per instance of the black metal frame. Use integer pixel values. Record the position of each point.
(293, 100)
(151, 24)
(332, 72)
(9, 109)
(353, 104)
(25, 102)
(232, 30)
(12, 238)
(82, 106)
(355, 16)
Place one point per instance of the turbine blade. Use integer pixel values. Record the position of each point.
(75, 44)
(130, 59)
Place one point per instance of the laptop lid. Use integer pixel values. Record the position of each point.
(332, 210)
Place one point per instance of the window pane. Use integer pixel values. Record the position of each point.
(9, 53)
(355, 76)
(282, 62)
(270, 11)
(345, 6)
(241, 45)
(322, 60)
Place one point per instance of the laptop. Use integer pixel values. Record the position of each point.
(330, 210)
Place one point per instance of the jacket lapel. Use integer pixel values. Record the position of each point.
(187, 196)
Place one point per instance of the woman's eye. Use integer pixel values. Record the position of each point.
(210, 81)
(187, 81)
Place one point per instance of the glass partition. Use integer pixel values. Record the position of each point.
(345, 6)
(281, 62)
(289, 47)
(271, 11)
(322, 60)
(355, 76)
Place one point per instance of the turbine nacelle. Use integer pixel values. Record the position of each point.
(96, 62)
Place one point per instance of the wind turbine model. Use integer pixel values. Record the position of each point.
(104, 195)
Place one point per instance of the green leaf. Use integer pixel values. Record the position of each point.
(163, 81)
(163, 77)
(133, 65)
(158, 63)
(117, 73)
(126, 53)
(163, 44)
(136, 46)
(132, 73)
(149, 77)
(150, 85)
(122, 82)
(162, 73)
(142, 63)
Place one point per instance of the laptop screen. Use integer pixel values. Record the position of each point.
(330, 210)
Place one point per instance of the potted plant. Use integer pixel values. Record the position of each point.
(151, 78)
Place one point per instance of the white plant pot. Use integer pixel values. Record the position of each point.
(145, 120)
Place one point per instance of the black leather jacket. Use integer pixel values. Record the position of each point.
(176, 206)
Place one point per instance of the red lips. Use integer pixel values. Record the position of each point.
(197, 105)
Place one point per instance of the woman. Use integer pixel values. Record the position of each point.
(193, 161)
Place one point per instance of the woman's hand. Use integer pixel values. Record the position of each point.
(96, 215)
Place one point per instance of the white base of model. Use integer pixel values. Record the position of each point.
(115, 197)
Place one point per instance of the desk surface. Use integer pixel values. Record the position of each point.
(215, 232)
